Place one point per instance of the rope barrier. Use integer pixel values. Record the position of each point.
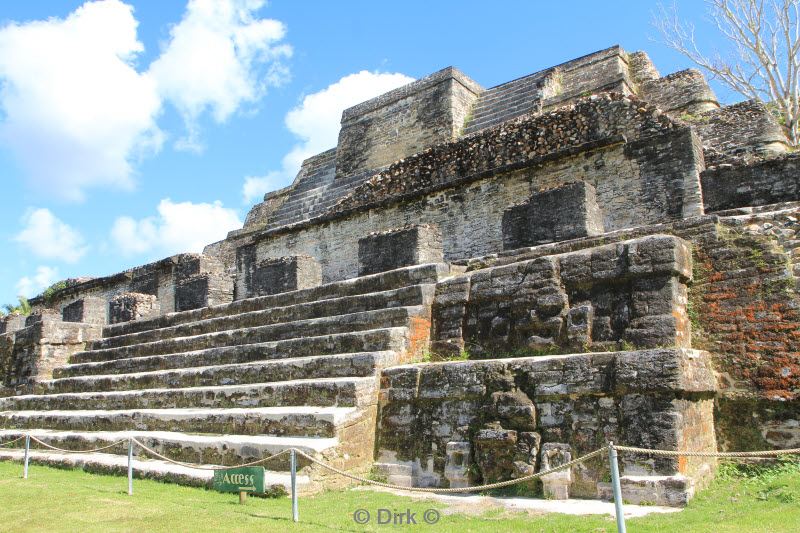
(678, 453)
(77, 451)
(212, 468)
(610, 448)
(476, 488)
(12, 441)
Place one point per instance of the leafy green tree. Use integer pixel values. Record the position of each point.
(21, 308)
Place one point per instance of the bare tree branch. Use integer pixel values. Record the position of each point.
(766, 39)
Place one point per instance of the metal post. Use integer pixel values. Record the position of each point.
(130, 467)
(293, 461)
(27, 453)
(612, 456)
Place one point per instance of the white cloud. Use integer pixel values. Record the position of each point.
(255, 187)
(218, 57)
(30, 286)
(77, 113)
(75, 109)
(316, 122)
(48, 237)
(178, 227)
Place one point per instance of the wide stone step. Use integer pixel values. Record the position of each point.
(347, 392)
(360, 364)
(492, 102)
(321, 194)
(503, 113)
(328, 182)
(301, 421)
(500, 117)
(403, 297)
(105, 463)
(383, 339)
(337, 186)
(384, 281)
(225, 450)
(515, 99)
(393, 317)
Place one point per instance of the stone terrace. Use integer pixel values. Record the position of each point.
(231, 383)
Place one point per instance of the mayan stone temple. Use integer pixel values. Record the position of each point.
(473, 285)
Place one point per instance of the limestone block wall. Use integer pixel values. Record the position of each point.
(562, 213)
(685, 91)
(746, 305)
(11, 322)
(91, 310)
(738, 133)
(31, 353)
(388, 250)
(130, 306)
(594, 122)
(755, 184)
(259, 214)
(658, 398)
(404, 121)
(603, 71)
(629, 293)
(641, 68)
(464, 187)
(743, 308)
(199, 280)
(274, 275)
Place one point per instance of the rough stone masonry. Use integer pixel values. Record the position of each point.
(472, 286)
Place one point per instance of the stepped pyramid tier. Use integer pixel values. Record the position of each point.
(473, 285)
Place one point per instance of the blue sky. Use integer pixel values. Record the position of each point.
(133, 130)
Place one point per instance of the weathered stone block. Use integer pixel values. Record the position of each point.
(457, 467)
(566, 212)
(200, 281)
(42, 315)
(32, 353)
(494, 453)
(11, 323)
(388, 250)
(556, 484)
(132, 306)
(668, 490)
(760, 183)
(396, 474)
(283, 274)
(579, 324)
(202, 290)
(660, 254)
(663, 371)
(503, 454)
(686, 91)
(192, 293)
(90, 310)
(513, 409)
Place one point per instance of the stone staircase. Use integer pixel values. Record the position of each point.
(506, 101)
(316, 190)
(233, 383)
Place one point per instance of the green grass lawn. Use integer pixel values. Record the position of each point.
(751, 500)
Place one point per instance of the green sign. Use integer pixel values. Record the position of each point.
(245, 479)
